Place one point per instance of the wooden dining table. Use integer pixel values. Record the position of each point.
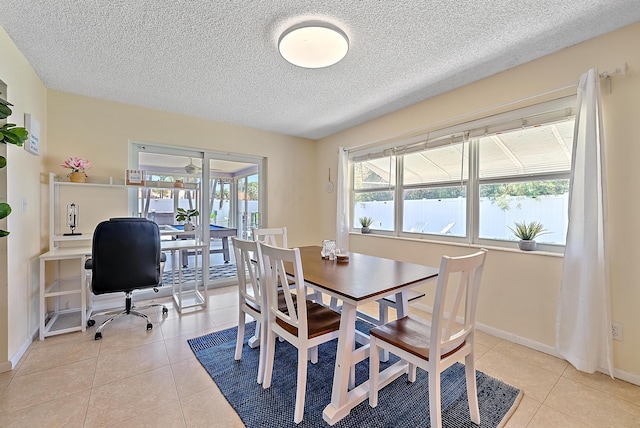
(362, 280)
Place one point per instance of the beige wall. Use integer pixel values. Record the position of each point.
(101, 130)
(519, 291)
(18, 296)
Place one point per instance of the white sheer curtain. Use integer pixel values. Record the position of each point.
(342, 208)
(583, 322)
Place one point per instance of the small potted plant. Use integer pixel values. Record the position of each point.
(186, 216)
(527, 233)
(365, 222)
(78, 169)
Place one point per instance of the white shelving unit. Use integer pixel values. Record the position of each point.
(62, 320)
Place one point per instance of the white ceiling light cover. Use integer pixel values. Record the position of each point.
(313, 45)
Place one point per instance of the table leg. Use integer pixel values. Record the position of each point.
(225, 249)
(338, 408)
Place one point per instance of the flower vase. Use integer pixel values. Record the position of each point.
(78, 177)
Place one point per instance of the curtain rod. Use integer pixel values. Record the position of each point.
(460, 119)
(622, 70)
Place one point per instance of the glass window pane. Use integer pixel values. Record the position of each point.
(377, 205)
(440, 211)
(374, 174)
(542, 149)
(437, 165)
(503, 204)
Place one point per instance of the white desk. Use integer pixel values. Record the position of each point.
(75, 319)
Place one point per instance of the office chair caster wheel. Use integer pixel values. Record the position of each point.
(165, 311)
(149, 326)
(98, 336)
(91, 323)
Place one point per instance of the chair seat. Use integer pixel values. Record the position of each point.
(408, 334)
(320, 320)
(282, 303)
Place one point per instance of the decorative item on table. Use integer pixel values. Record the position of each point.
(186, 216)
(527, 233)
(365, 222)
(134, 177)
(178, 184)
(78, 169)
(328, 245)
(73, 215)
(342, 258)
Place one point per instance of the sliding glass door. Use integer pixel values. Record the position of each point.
(224, 188)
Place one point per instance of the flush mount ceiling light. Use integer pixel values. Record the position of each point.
(313, 44)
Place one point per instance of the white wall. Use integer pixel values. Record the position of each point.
(23, 181)
(520, 290)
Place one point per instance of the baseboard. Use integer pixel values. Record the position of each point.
(15, 358)
(532, 344)
(5, 366)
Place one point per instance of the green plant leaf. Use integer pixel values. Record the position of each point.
(3, 233)
(5, 111)
(5, 210)
(3, 161)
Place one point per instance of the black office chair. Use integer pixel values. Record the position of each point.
(126, 256)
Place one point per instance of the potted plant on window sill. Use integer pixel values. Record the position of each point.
(365, 222)
(186, 216)
(527, 233)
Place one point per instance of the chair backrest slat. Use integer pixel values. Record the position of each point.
(274, 236)
(445, 329)
(249, 271)
(274, 260)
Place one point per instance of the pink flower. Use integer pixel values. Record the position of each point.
(76, 164)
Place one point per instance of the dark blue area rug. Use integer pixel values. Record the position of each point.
(400, 404)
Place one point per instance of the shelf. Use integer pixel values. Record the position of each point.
(53, 289)
(64, 322)
(119, 182)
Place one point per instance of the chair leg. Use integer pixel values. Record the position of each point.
(472, 390)
(383, 317)
(411, 375)
(255, 341)
(268, 367)
(240, 337)
(302, 384)
(104, 323)
(263, 352)
(313, 355)
(434, 398)
(374, 367)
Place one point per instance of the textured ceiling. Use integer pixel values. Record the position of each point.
(218, 59)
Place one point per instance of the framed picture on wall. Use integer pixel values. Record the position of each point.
(32, 145)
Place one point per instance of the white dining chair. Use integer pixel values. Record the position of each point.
(251, 299)
(276, 236)
(437, 345)
(303, 326)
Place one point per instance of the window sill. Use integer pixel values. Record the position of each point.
(459, 244)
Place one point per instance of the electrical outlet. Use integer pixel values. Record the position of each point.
(616, 331)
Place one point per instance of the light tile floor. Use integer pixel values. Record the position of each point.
(134, 377)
